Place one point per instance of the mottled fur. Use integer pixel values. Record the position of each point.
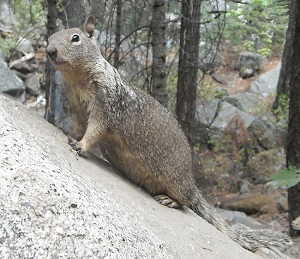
(135, 133)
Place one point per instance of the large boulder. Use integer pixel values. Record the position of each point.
(54, 204)
(226, 113)
(232, 124)
(266, 83)
(222, 125)
(246, 102)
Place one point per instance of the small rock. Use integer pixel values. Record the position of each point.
(25, 46)
(251, 60)
(282, 205)
(246, 72)
(32, 84)
(22, 67)
(296, 223)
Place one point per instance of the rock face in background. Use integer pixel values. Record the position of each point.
(7, 18)
(54, 204)
(242, 119)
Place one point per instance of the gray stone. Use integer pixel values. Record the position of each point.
(246, 72)
(247, 102)
(235, 217)
(7, 17)
(55, 204)
(32, 84)
(266, 84)
(22, 67)
(207, 111)
(249, 59)
(10, 84)
(225, 115)
(296, 223)
(25, 46)
(263, 134)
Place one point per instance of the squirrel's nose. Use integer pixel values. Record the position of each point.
(51, 51)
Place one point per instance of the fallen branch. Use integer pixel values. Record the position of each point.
(22, 59)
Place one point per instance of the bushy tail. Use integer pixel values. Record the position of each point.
(248, 238)
(252, 239)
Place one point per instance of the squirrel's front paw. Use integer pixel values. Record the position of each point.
(76, 146)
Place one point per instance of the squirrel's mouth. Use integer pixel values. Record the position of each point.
(56, 60)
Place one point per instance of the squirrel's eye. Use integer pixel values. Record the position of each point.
(75, 38)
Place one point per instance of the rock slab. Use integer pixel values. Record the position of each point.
(54, 204)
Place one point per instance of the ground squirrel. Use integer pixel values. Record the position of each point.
(136, 134)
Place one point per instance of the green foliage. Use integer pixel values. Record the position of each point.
(31, 20)
(287, 177)
(258, 25)
(6, 45)
(29, 12)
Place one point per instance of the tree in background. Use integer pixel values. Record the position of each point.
(50, 71)
(291, 66)
(158, 42)
(188, 67)
(257, 25)
(283, 86)
(118, 33)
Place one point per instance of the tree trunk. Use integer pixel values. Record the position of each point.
(50, 71)
(283, 86)
(188, 66)
(158, 33)
(293, 79)
(118, 34)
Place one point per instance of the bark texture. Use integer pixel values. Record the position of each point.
(292, 77)
(50, 71)
(158, 30)
(188, 66)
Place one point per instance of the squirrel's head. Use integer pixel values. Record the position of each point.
(71, 48)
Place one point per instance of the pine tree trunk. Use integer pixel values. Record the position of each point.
(283, 86)
(293, 141)
(158, 35)
(50, 71)
(188, 66)
(118, 34)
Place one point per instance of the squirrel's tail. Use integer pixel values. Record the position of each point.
(248, 238)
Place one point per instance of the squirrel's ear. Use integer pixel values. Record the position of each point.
(89, 26)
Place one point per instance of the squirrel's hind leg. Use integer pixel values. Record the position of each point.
(167, 201)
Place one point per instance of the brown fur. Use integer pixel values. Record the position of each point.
(135, 133)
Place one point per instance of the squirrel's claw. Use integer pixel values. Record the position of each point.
(76, 146)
